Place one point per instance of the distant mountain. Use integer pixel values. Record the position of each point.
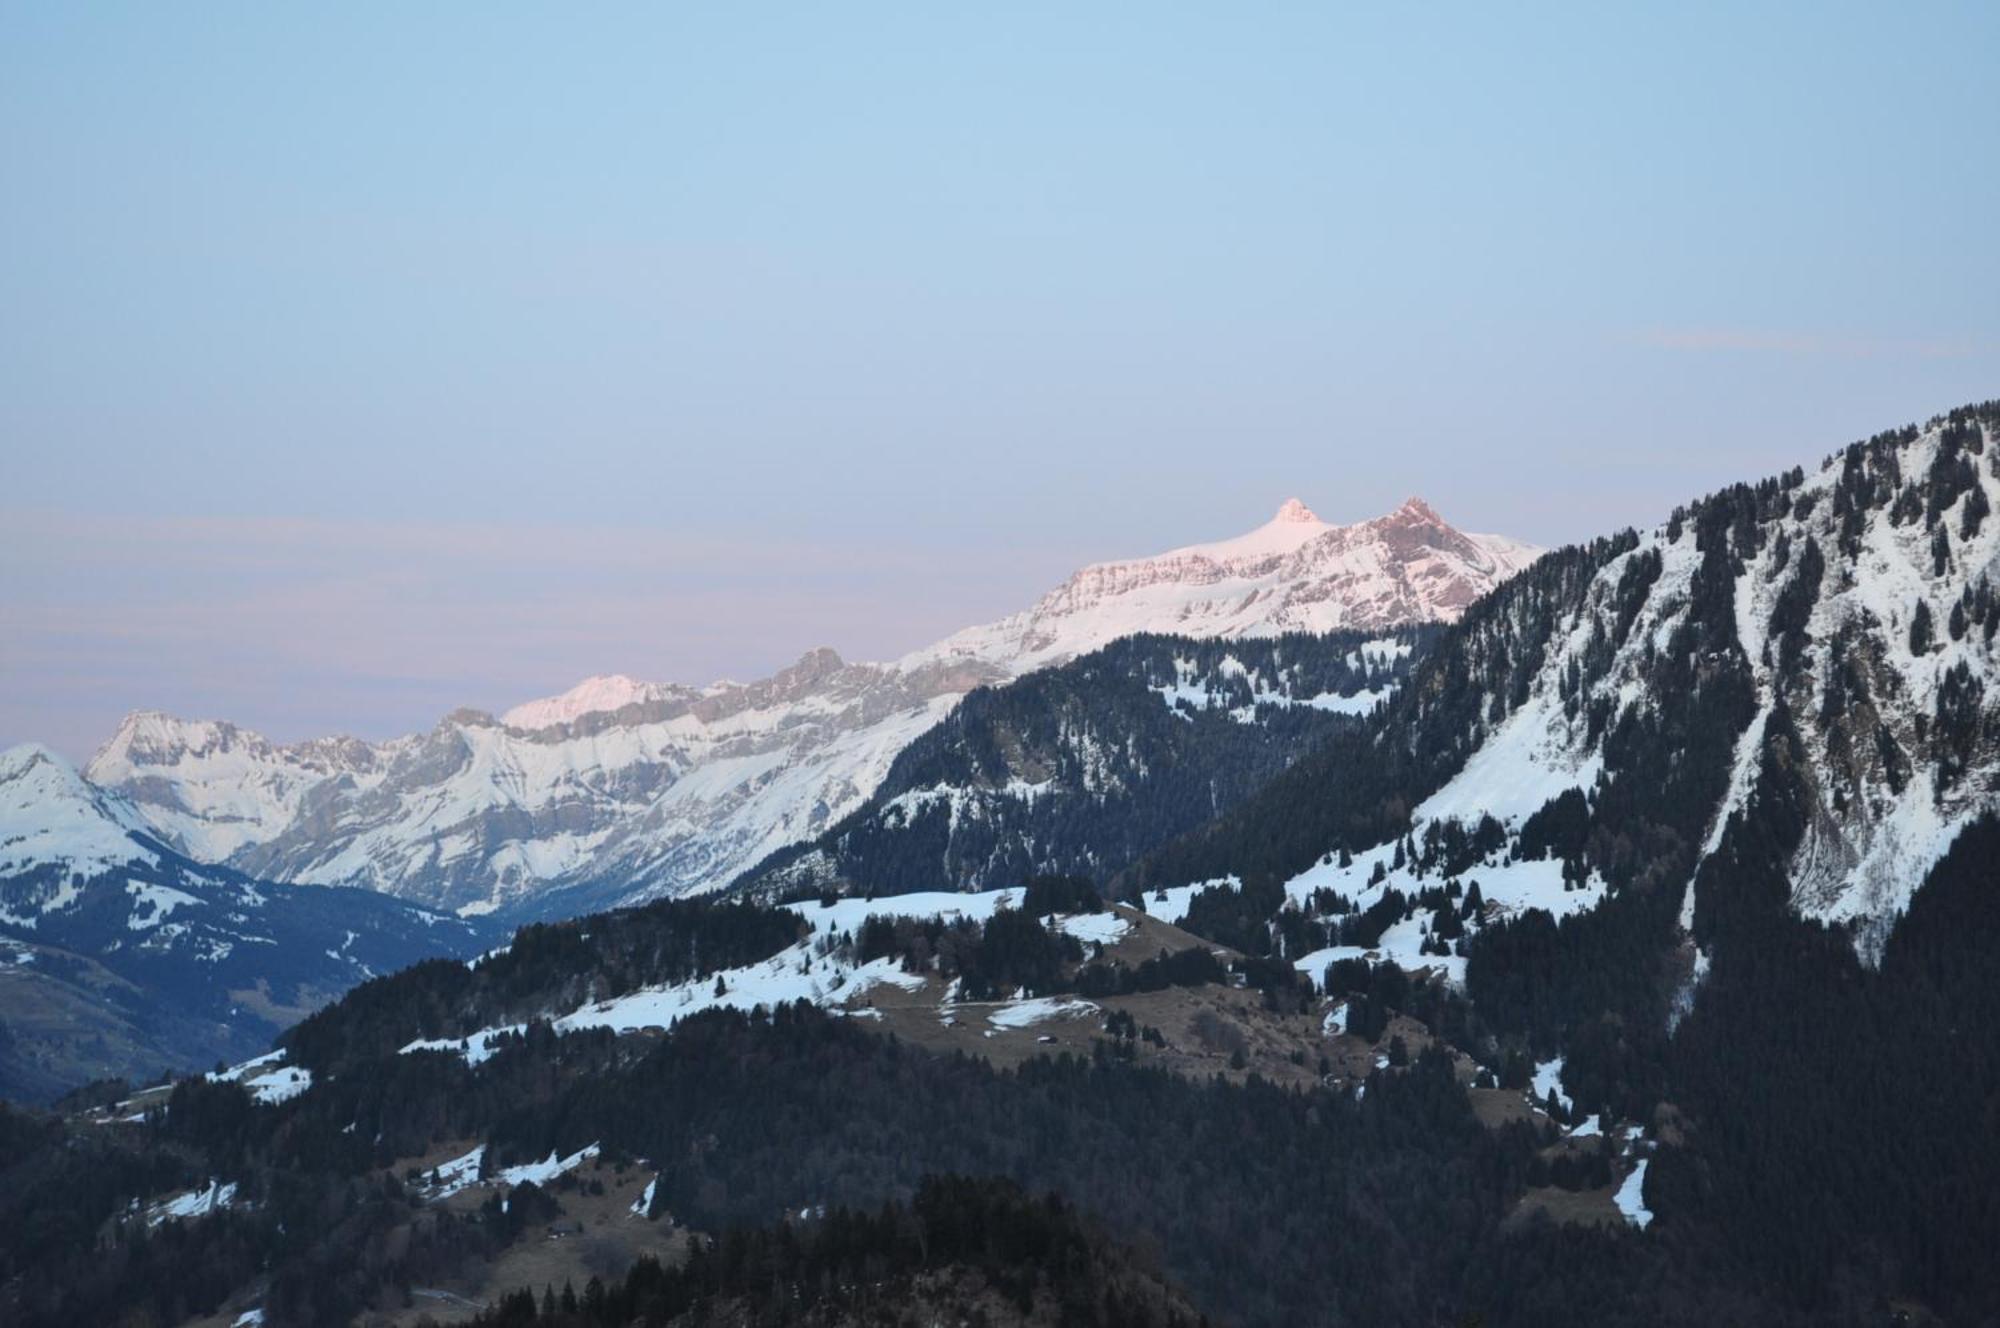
(120, 957)
(624, 790)
(1295, 573)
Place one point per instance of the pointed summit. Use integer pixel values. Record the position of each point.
(1416, 509)
(50, 816)
(1294, 510)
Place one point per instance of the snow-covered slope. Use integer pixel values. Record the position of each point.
(125, 956)
(48, 814)
(621, 789)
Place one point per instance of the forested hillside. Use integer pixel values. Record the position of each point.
(1085, 767)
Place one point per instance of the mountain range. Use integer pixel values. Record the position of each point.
(619, 791)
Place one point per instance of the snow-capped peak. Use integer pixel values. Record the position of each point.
(1293, 573)
(48, 814)
(1294, 526)
(150, 736)
(594, 695)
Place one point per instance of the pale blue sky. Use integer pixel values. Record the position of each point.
(361, 361)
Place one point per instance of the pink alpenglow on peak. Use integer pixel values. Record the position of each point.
(1294, 573)
(605, 692)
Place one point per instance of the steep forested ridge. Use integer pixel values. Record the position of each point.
(1089, 765)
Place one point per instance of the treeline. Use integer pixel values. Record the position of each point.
(1017, 950)
(1008, 952)
(548, 966)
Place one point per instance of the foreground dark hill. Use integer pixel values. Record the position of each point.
(1421, 1188)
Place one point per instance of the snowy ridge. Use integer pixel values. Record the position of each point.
(620, 790)
(1293, 574)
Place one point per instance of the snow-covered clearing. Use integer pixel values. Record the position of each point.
(1548, 1079)
(1028, 1013)
(195, 1203)
(268, 1078)
(1631, 1197)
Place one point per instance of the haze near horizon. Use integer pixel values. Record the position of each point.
(358, 366)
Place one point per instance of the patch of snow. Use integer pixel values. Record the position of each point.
(1036, 1010)
(477, 1048)
(1521, 765)
(1105, 929)
(546, 1170)
(193, 1204)
(154, 904)
(1548, 1079)
(458, 1173)
(1171, 903)
(613, 691)
(1508, 889)
(1631, 1197)
(280, 1085)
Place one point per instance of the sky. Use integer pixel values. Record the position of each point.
(360, 362)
